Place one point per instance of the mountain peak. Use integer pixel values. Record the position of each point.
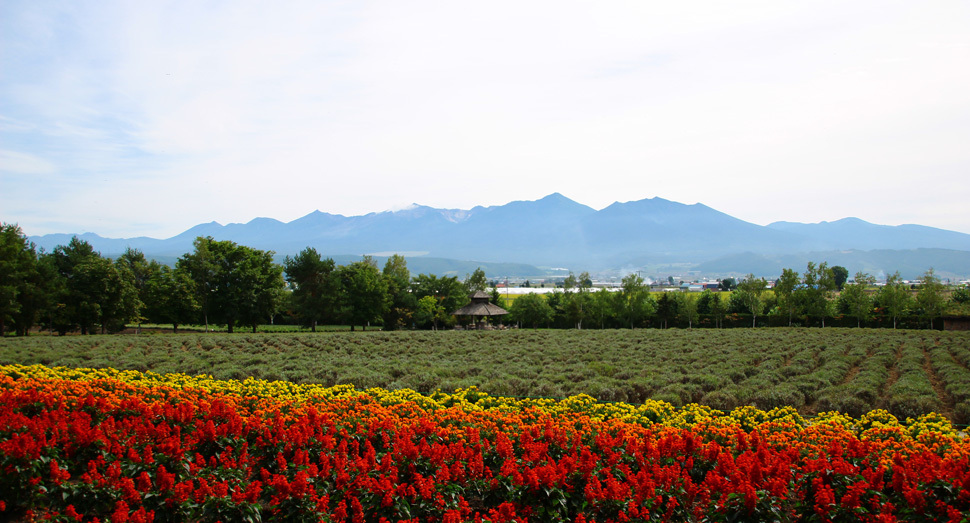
(554, 231)
(554, 197)
(411, 207)
(563, 202)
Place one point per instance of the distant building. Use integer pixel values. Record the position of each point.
(480, 309)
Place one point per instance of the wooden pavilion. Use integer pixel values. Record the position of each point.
(480, 309)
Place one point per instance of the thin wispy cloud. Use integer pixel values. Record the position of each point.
(146, 118)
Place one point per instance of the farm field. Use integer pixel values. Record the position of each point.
(908, 373)
(125, 446)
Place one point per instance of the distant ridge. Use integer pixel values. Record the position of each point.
(556, 231)
(853, 233)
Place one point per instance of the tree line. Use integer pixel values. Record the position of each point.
(820, 295)
(74, 288)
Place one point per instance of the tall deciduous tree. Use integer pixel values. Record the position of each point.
(141, 271)
(532, 310)
(235, 284)
(94, 290)
(106, 293)
(603, 308)
(637, 304)
(364, 295)
(171, 298)
(203, 270)
(429, 311)
(813, 295)
(929, 297)
(784, 290)
(855, 299)
(18, 272)
(576, 298)
(36, 294)
(264, 287)
(449, 293)
(894, 298)
(315, 286)
(718, 309)
(577, 306)
(687, 305)
(569, 282)
(667, 308)
(400, 310)
(750, 292)
(476, 282)
(839, 276)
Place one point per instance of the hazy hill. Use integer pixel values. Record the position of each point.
(853, 233)
(558, 232)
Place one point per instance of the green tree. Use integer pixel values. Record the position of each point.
(476, 282)
(718, 310)
(667, 308)
(839, 276)
(575, 301)
(49, 300)
(531, 309)
(557, 302)
(602, 308)
(92, 289)
(141, 271)
(73, 309)
(201, 267)
(263, 299)
(170, 298)
(687, 305)
(570, 282)
(450, 293)
(315, 286)
(929, 298)
(704, 302)
(578, 303)
(813, 295)
(894, 298)
(234, 284)
(364, 295)
(18, 270)
(108, 294)
(855, 300)
(494, 296)
(400, 311)
(784, 290)
(750, 293)
(636, 303)
(429, 311)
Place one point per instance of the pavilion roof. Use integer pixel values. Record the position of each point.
(478, 308)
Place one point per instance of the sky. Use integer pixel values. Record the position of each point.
(145, 118)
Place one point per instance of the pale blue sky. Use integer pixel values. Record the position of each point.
(145, 118)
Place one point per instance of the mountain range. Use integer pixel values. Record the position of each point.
(558, 232)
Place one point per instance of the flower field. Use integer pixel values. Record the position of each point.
(126, 446)
(854, 371)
